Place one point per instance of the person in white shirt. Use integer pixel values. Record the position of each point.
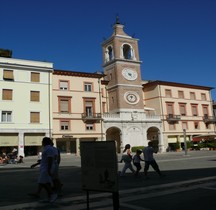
(149, 159)
(47, 165)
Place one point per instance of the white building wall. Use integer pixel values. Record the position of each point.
(20, 105)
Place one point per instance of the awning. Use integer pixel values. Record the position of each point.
(209, 137)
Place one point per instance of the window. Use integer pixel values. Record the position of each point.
(180, 94)
(194, 110)
(196, 125)
(109, 54)
(89, 108)
(169, 108)
(192, 96)
(171, 126)
(203, 97)
(64, 125)
(184, 125)
(8, 75)
(110, 77)
(205, 110)
(88, 87)
(168, 93)
(89, 127)
(35, 117)
(104, 107)
(35, 96)
(89, 105)
(182, 108)
(128, 52)
(6, 116)
(103, 92)
(63, 85)
(64, 104)
(7, 94)
(35, 77)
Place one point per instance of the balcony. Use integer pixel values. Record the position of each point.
(209, 119)
(173, 118)
(91, 118)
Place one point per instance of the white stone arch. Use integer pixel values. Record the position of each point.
(154, 133)
(113, 133)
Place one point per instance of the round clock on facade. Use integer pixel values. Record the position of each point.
(131, 97)
(129, 74)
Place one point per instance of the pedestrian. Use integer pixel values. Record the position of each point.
(57, 185)
(127, 159)
(47, 167)
(149, 159)
(136, 161)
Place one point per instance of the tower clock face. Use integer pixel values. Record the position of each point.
(131, 97)
(129, 74)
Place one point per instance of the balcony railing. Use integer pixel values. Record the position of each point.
(209, 119)
(91, 118)
(172, 117)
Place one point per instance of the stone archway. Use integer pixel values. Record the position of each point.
(114, 133)
(153, 135)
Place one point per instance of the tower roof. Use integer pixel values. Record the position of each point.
(118, 28)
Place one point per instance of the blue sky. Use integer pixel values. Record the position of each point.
(177, 38)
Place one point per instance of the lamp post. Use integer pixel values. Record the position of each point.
(185, 143)
(99, 86)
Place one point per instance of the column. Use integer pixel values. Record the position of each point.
(160, 143)
(78, 147)
(21, 144)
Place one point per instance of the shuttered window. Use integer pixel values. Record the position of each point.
(35, 96)
(64, 105)
(63, 85)
(8, 75)
(7, 94)
(35, 117)
(35, 77)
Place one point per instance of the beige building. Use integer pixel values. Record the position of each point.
(181, 106)
(78, 102)
(25, 104)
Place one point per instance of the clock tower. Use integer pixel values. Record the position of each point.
(126, 121)
(122, 69)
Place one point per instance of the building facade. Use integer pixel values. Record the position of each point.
(25, 107)
(181, 106)
(71, 107)
(79, 100)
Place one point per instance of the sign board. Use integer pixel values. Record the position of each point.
(99, 166)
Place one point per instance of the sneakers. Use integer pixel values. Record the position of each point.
(53, 197)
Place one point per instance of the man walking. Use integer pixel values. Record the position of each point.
(149, 159)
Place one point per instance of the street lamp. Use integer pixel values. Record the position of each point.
(185, 143)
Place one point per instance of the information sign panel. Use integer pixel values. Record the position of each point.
(99, 166)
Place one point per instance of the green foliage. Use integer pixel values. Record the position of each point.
(135, 148)
(176, 145)
(189, 144)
